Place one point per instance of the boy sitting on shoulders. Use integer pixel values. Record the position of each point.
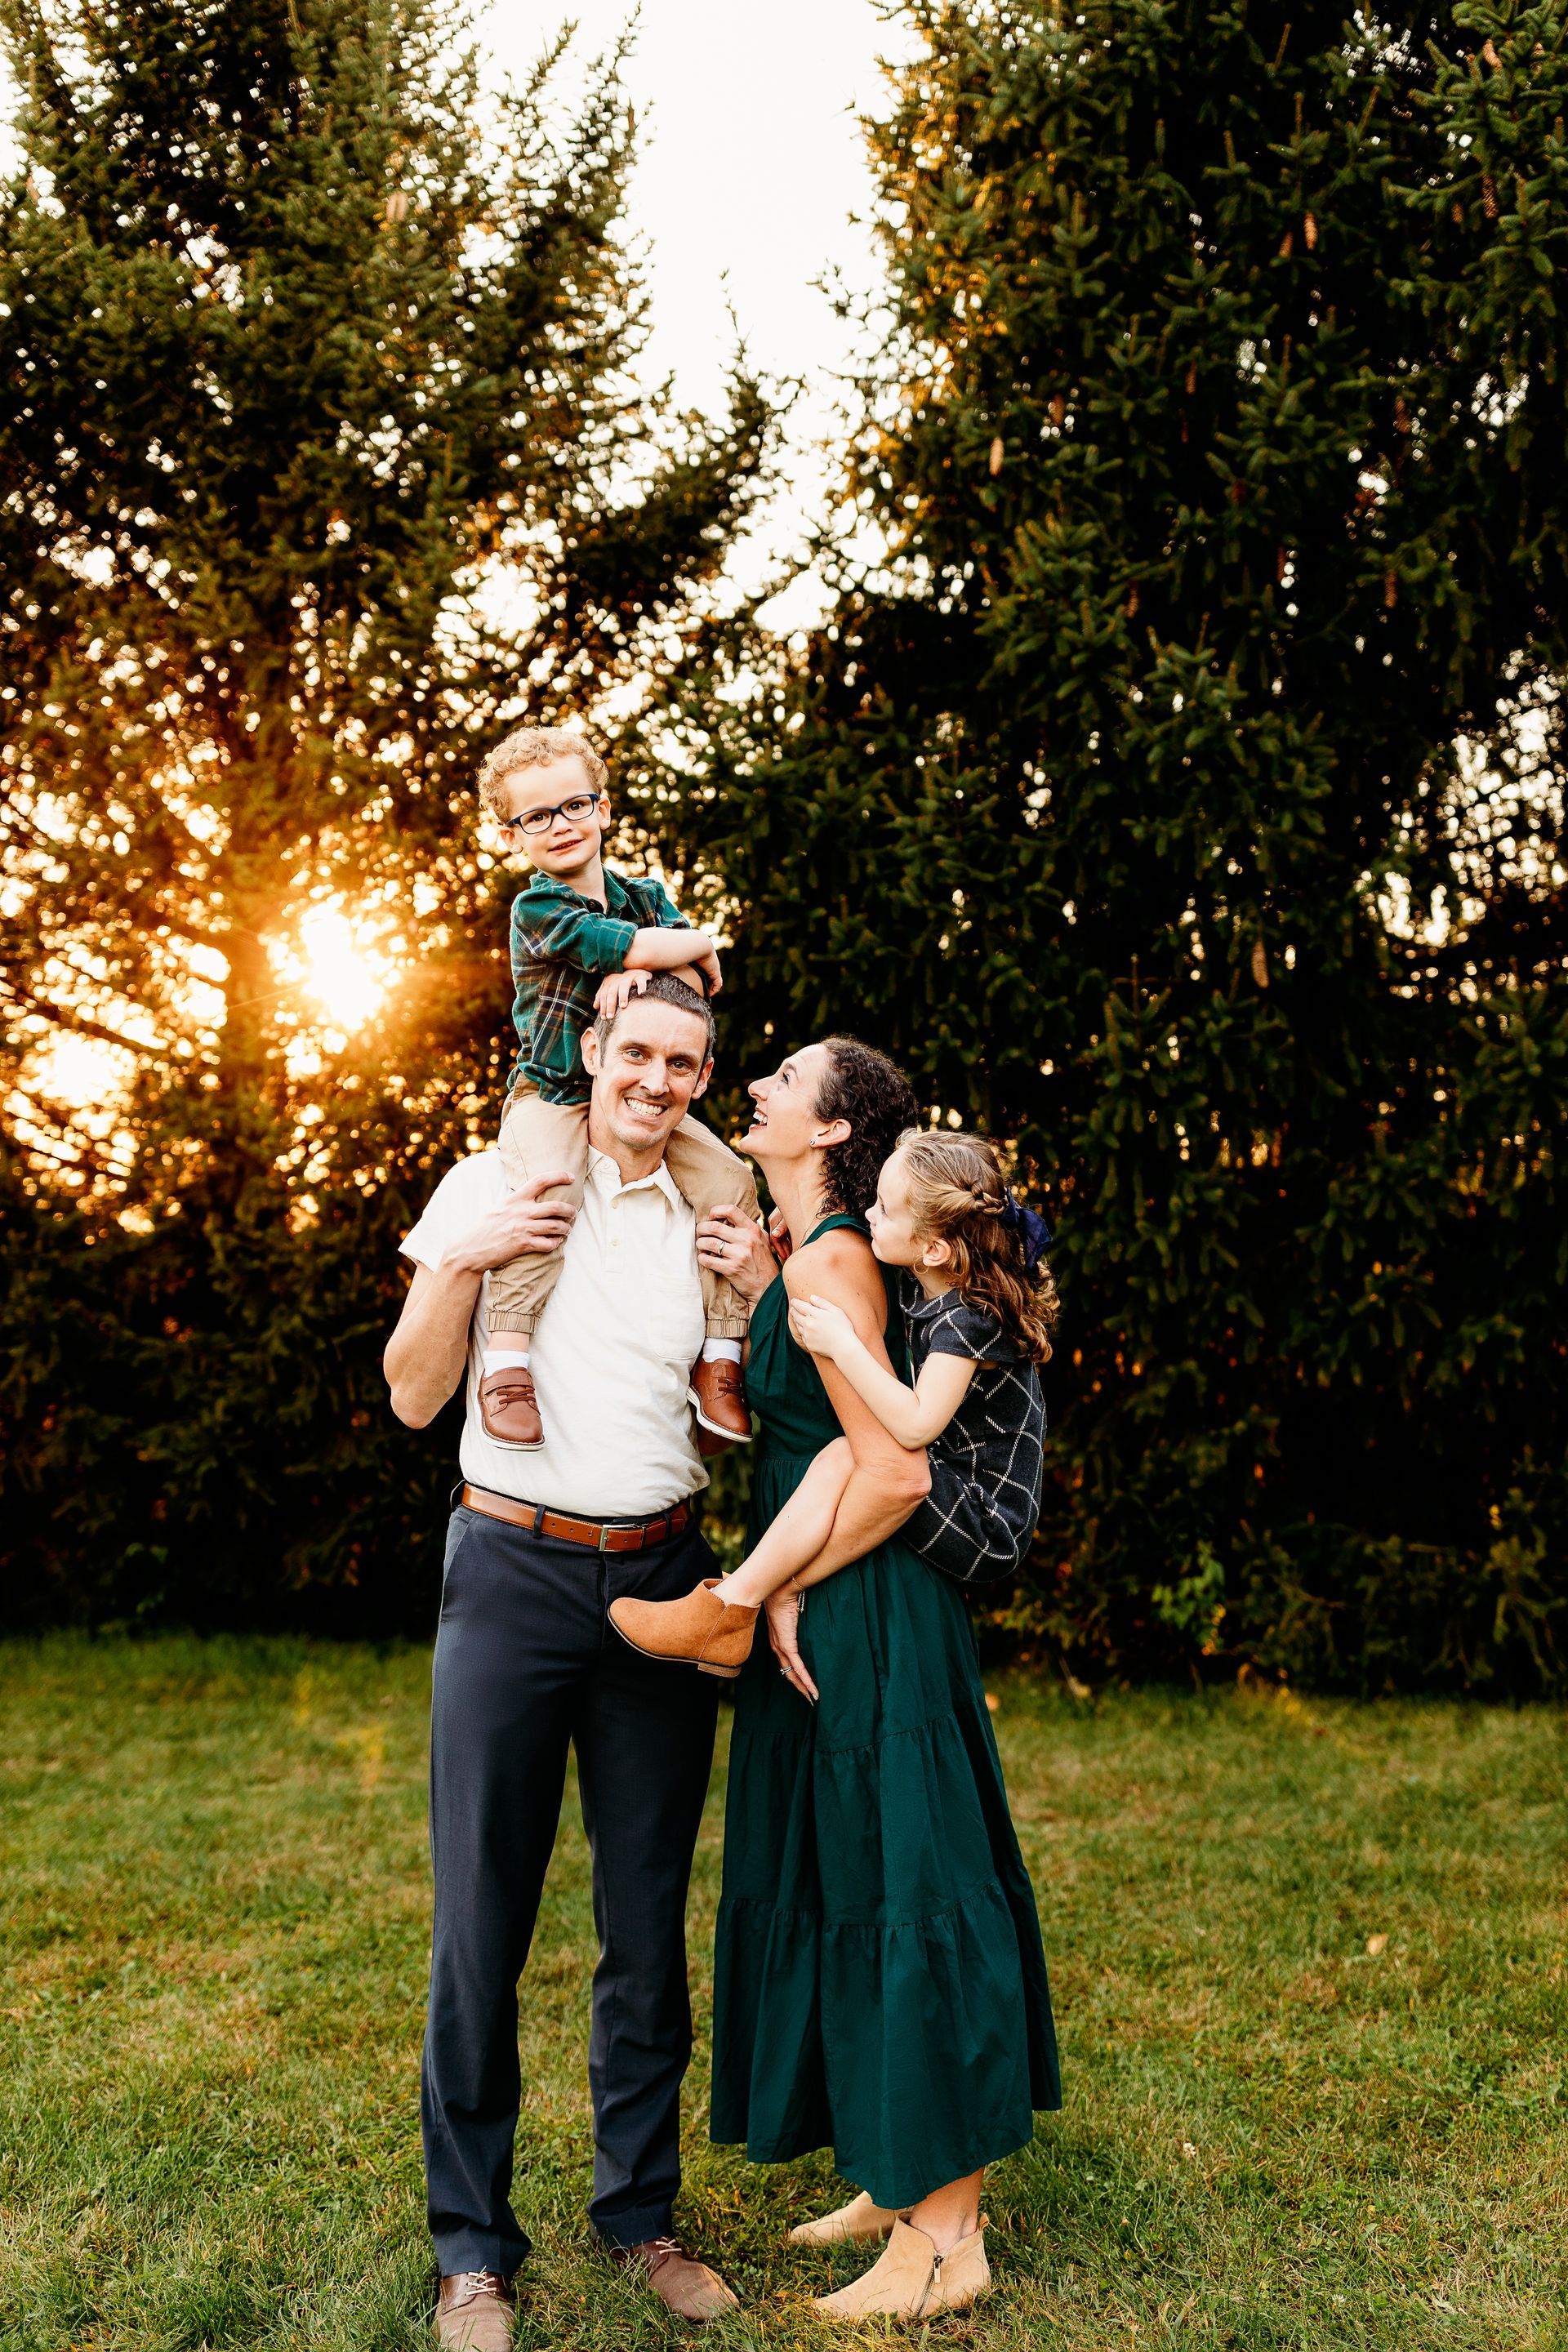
(583, 940)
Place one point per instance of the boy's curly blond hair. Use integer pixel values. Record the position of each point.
(533, 747)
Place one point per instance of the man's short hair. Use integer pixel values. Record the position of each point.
(663, 988)
(534, 747)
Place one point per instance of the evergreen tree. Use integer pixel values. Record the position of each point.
(1183, 787)
(323, 457)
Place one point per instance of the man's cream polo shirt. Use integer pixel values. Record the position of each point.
(612, 1352)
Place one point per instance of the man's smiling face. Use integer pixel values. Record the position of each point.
(646, 1073)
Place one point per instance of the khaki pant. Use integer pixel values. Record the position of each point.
(537, 1136)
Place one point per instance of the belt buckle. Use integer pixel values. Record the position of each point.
(608, 1527)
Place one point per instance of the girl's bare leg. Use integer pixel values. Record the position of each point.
(797, 1535)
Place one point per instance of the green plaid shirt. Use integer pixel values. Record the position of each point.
(562, 946)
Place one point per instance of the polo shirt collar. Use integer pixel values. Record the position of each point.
(660, 1180)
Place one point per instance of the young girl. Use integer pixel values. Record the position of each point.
(979, 1308)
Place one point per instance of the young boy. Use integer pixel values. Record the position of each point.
(583, 940)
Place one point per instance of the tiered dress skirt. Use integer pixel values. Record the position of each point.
(880, 1986)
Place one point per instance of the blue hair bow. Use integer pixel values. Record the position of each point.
(1031, 1229)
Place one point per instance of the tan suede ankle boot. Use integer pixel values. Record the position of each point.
(912, 2281)
(712, 1635)
(859, 2219)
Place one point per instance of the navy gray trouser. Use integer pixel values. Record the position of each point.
(527, 1664)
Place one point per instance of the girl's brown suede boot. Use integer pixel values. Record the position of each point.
(714, 1636)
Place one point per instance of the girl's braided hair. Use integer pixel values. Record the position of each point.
(958, 1194)
(863, 1087)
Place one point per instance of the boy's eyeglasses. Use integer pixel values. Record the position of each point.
(580, 806)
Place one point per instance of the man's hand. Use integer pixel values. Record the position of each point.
(524, 1224)
(426, 1355)
(821, 1328)
(732, 1244)
(783, 1633)
(615, 991)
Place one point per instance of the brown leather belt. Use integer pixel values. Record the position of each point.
(597, 1535)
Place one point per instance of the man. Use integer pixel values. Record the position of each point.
(526, 1665)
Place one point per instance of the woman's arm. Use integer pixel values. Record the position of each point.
(914, 1416)
(887, 1480)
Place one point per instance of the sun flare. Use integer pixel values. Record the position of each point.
(343, 965)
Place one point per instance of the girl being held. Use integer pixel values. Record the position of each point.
(979, 1308)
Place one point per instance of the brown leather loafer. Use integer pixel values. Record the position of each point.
(718, 1395)
(510, 1410)
(475, 2312)
(682, 2283)
(714, 1636)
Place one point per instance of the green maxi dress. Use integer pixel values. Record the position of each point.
(880, 1989)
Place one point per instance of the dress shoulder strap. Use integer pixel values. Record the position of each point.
(840, 1217)
(893, 1329)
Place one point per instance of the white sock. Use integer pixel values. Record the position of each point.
(721, 1351)
(501, 1359)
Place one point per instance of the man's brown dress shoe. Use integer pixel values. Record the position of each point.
(475, 2312)
(702, 1630)
(685, 2285)
(718, 1396)
(510, 1410)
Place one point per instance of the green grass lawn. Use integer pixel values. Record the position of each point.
(1309, 1961)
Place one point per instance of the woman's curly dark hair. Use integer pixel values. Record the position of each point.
(863, 1087)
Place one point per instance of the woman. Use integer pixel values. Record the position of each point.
(880, 1987)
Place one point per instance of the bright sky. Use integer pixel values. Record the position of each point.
(752, 191)
(752, 172)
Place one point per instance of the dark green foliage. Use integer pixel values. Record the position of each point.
(1184, 792)
(196, 1423)
(322, 460)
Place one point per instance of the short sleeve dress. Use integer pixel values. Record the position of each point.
(979, 1519)
(879, 1982)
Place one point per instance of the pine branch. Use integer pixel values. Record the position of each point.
(82, 1026)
